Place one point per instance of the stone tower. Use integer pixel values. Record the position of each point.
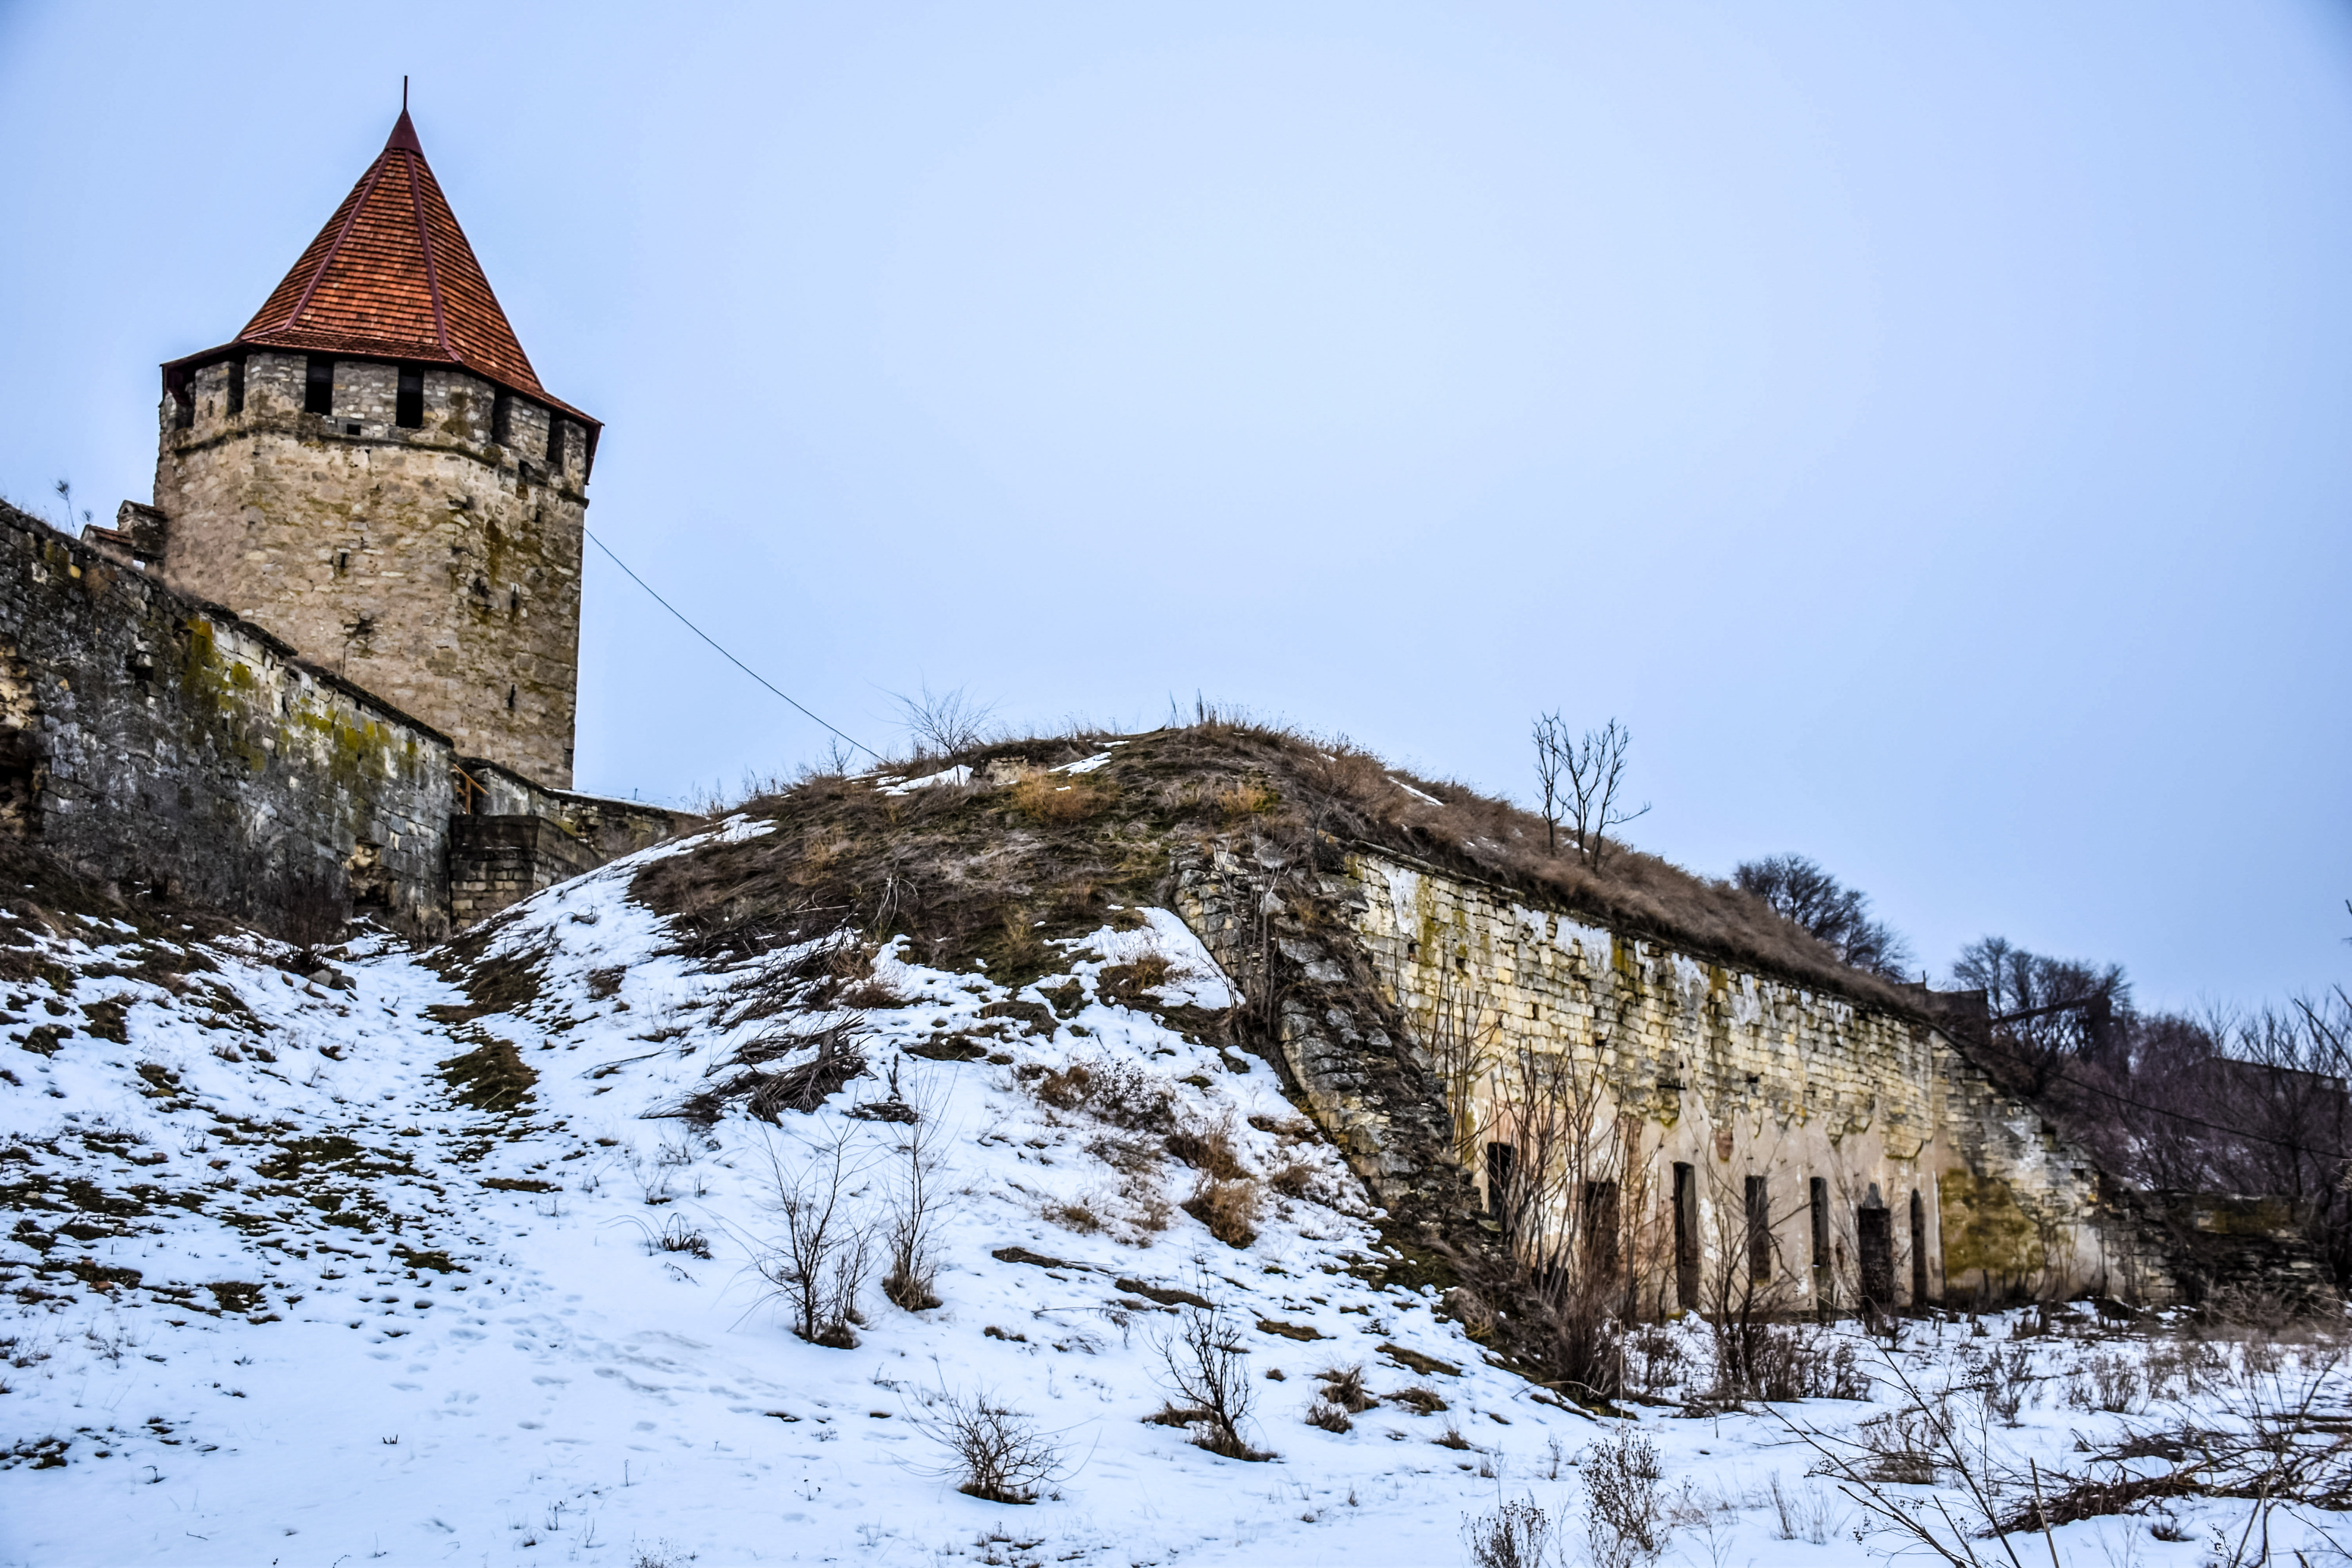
(372, 471)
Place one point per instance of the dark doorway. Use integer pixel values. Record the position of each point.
(1874, 1235)
(1499, 1183)
(1918, 1252)
(1686, 1237)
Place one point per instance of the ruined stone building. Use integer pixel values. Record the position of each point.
(333, 666)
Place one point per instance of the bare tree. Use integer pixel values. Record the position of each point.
(1591, 767)
(827, 1248)
(1552, 746)
(942, 724)
(1799, 890)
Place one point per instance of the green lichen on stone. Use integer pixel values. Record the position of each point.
(1986, 1228)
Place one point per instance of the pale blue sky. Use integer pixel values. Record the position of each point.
(1926, 424)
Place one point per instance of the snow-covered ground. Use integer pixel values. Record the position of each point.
(369, 1323)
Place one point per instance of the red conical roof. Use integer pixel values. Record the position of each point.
(391, 277)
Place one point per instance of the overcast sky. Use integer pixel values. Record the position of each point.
(1928, 426)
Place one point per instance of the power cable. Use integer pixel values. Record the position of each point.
(730, 658)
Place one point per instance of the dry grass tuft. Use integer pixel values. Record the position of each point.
(1056, 800)
(1230, 1209)
(1209, 1150)
(1244, 799)
(1328, 1417)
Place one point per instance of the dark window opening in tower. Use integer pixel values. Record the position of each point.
(184, 413)
(1819, 1190)
(342, 562)
(502, 418)
(514, 601)
(236, 386)
(554, 442)
(408, 408)
(510, 697)
(319, 386)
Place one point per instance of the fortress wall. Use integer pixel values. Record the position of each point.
(161, 743)
(1738, 1074)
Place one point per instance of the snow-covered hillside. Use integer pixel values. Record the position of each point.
(281, 1294)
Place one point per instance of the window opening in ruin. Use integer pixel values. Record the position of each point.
(554, 442)
(1918, 1250)
(1602, 1226)
(514, 601)
(510, 697)
(1685, 1237)
(236, 386)
(408, 407)
(1499, 1183)
(1819, 1190)
(319, 386)
(1759, 1229)
(184, 412)
(342, 562)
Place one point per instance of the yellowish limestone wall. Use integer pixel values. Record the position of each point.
(1743, 1075)
(438, 567)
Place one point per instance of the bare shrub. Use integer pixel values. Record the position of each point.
(827, 1248)
(1655, 1359)
(1516, 1535)
(1203, 1357)
(1230, 1209)
(2109, 1383)
(995, 1453)
(908, 1233)
(1625, 1520)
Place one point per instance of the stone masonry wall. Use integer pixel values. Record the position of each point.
(158, 743)
(1742, 1075)
(438, 566)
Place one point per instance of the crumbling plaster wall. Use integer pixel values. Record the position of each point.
(160, 743)
(439, 566)
(1741, 1074)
